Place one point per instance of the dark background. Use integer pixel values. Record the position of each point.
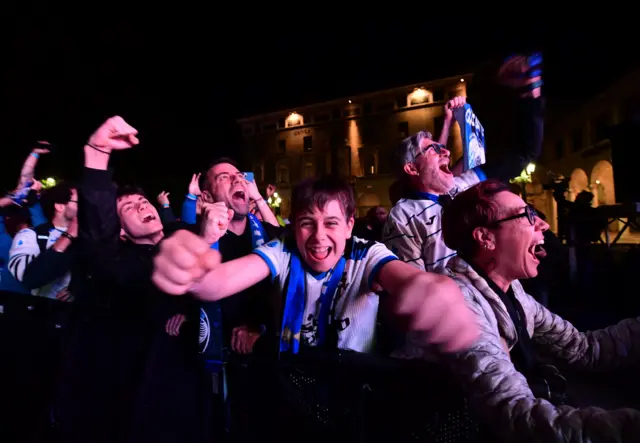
(182, 77)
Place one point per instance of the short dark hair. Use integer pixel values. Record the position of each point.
(14, 217)
(471, 209)
(59, 194)
(312, 193)
(126, 190)
(204, 180)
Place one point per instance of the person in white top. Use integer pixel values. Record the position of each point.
(326, 277)
(39, 257)
(413, 229)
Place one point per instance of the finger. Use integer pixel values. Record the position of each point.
(167, 194)
(230, 213)
(133, 140)
(167, 327)
(193, 178)
(211, 260)
(167, 286)
(179, 256)
(198, 177)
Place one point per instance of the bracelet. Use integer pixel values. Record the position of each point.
(35, 155)
(191, 196)
(68, 236)
(98, 148)
(166, 205)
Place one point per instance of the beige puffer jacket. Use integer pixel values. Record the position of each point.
(501, 395)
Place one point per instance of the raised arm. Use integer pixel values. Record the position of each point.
(29, 165)
(529, 125)
(99, 224)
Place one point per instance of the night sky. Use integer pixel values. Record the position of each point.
(182, 78)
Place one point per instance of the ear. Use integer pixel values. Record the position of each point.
(207, 197)
(350, 223)
(123, 234)
(59, 207)
(410, 169)
(484, 238)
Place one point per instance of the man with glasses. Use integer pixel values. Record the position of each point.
(413, 229)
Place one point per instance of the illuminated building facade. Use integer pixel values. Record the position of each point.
(354, 137)
(576, 146)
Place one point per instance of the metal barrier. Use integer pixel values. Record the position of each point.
(318, 394)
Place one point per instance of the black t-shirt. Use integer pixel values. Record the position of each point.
(254, 307)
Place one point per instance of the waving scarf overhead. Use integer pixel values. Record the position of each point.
(472, 134)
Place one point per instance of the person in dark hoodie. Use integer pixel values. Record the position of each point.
(127, 377)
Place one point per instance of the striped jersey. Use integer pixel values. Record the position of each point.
(356, 304)
(413, 230)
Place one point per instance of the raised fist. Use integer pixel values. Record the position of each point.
(518, 73)
(456, 102)
(215, 221)
(115, 133)
(163, 198)
(183, 260)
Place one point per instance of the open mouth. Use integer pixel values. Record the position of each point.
(537, 250)
(319, 253)
(148, 218)
(445, 168)
(238, 195)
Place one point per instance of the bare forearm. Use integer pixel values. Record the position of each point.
(267, 214)
(26, 173)
(96, 159)
(444, 134)
(231, 277)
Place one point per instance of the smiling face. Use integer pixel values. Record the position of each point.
(321, 235)
(225, 183)
(138, 217)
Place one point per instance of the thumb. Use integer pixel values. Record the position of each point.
(230, 211)
(210, 260)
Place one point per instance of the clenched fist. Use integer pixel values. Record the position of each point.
(115, 133)
(215, 221)
(438, 308)
(183, 260)
(456, 102)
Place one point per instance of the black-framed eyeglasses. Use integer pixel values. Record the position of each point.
(437, 147)
(529, 213)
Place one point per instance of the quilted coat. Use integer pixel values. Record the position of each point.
(500, 394)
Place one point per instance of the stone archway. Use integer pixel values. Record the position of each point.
(602, 183)
(579, 182)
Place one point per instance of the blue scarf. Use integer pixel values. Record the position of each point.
(258, 234)
(296, 299)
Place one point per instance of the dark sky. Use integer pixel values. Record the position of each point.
(183, 77)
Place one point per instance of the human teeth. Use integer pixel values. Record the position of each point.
(322, 249)
(540, 242)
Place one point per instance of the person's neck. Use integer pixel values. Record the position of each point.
(425, 188)
(237, 226)
(493, 272)
(60, 221)
(152, 239)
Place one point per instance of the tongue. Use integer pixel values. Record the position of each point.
(540, 252)
(320, 255)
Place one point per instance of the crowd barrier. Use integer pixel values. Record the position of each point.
(319, 394)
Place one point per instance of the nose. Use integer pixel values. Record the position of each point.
(444, 152)
(320, 233)
(237, 178)
(541, 225)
